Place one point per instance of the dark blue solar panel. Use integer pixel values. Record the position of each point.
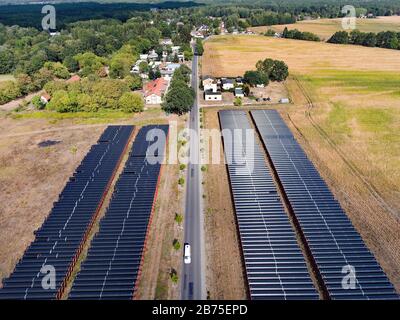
(58, 241)
(333, 241)
(113, 264)
(275, 265)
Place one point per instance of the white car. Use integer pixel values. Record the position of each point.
(186, 253)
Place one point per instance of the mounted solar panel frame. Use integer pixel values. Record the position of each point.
(333, 241)
(268, 242)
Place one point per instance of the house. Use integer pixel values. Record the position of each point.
(181, 57)
(175, 49)
(239, 81)
(212, 96)
(74, 78)
(166, 42)
(284, 100)
(260, 85)
(154, 91)
(168, 71)
(45, 98)
(239, 93)
(227, 84)
(152, 55)
(209, 83)
(144, 56)
(135, 69)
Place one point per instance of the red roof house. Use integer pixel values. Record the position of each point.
(154, 91)
(74, 78)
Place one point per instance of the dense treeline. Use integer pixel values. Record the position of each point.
(30, 15)
(93, 94)
(96, 48)
(384, 39)
(180, 97)
(299, 35)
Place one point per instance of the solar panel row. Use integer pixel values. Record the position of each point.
(348, 268)
(59, 240)
(113, 264)
(274, 262)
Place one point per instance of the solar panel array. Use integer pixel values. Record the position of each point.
(113, 264)
(333, 241)
(274, 262)
(59, 240)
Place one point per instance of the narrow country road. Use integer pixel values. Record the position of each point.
(193, 274)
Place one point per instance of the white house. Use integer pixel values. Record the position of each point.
(212, 96)
(284, 100)
(153, 55)
(227, 84)
(239, 93)
(175, 49)
(154, 91)
(135, 69)
(209, 83)
(166, 42)
(144, 56)
(45, 98)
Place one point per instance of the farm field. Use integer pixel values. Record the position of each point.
(39, 151)
(356, 104)
(325, 28)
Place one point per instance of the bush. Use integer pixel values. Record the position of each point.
(37, 103)
(131, 102)
(178, 218)
(182, 167)
(181, 181)
(237, 102)
(176, 244)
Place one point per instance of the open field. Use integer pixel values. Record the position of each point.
(356, 104)
(31, 177)
(325, 28)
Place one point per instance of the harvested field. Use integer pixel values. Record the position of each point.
(356, 105)
(225, 271)
(325, 28)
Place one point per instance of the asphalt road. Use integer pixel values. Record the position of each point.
(193, 277)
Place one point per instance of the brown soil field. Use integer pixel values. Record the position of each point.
(225, 277)
(325, 28)
(355, 101)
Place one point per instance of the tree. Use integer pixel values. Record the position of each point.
(7, 62)
(279, 72)
(152, 34)
(341, 37)
(37, 102)
(61, 102)
(71, 64)
(131, 102)
(134, 82)
(57, 69)
(199, 49)
(254, 78)
(9, 91)
(237, 102)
